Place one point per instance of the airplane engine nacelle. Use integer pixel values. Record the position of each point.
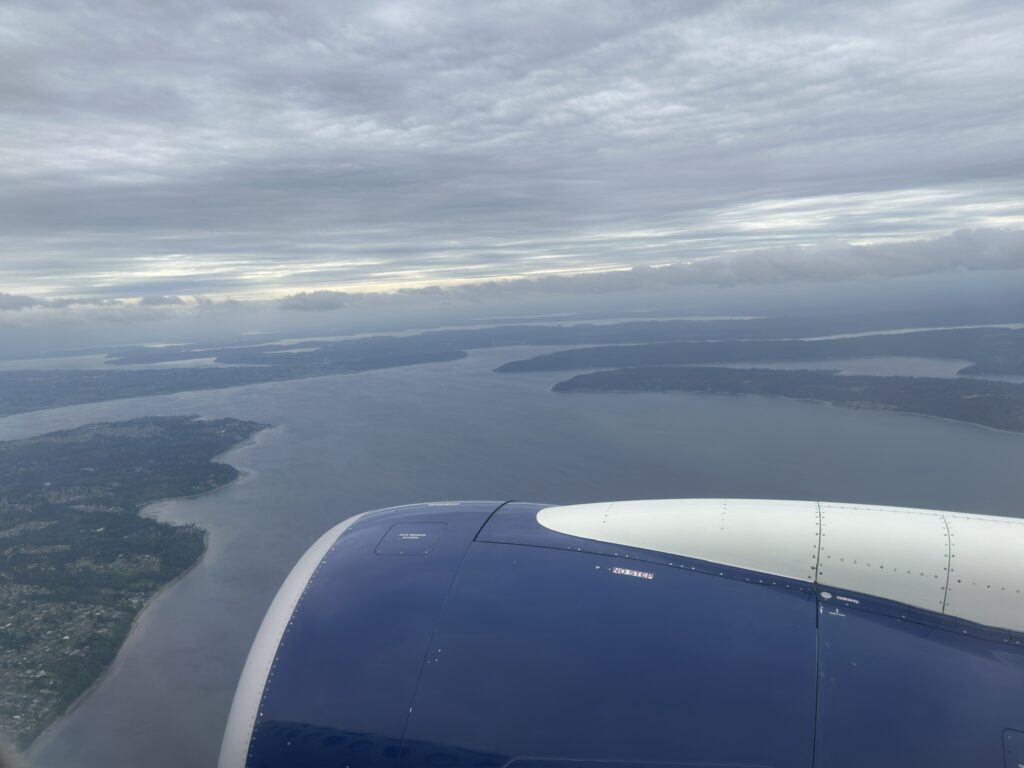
(702, 632)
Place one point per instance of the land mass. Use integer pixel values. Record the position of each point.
(78, 562)
(995, 404)
(32, 390)
(994, 351)
(991, 350)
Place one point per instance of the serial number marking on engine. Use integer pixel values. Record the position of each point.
(630, 572)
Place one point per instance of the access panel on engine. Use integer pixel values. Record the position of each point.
(898, 692)
(553, 655)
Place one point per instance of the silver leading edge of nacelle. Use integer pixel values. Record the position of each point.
(965, 566)
(245, 707)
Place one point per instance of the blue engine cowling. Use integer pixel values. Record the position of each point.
(466, 634)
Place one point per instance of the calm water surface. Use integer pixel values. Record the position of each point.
(344, 444)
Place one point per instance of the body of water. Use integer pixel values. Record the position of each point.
(344, 444)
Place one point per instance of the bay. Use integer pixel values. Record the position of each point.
(344, 444)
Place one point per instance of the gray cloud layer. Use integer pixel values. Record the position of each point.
(164, 149)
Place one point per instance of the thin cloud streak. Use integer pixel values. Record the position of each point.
(986, 250)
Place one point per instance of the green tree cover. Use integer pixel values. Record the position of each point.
(77, 561)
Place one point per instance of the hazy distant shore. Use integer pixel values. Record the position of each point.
(993, 404)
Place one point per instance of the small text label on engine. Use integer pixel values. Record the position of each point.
(630, 572)
(411, 538)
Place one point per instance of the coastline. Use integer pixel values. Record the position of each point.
(40, 741)
(830, 403)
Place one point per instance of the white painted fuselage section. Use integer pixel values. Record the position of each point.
(961, 565)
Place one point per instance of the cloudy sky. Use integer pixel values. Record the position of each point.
(193, 148)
